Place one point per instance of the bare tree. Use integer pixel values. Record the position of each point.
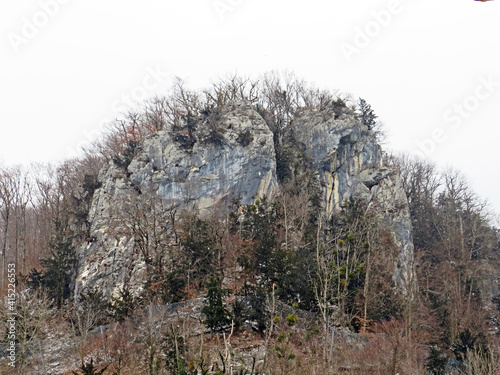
(6, 203)
(454, 242)
(481, 362)
(33, 312)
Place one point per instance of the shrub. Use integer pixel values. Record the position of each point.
(90, 369)
(245, 138)
(292, 319)
(186, 141)
(339, 107)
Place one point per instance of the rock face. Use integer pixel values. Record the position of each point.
(242, 164)
(350, 165)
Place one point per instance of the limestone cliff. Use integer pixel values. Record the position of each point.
(190, 171)
(349, 163)
(196, 175)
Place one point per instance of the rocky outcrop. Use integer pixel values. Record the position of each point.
(349, 164)
(339, 149)
(241, 164)
(189, 171)
(200, 175)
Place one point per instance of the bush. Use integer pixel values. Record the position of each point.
(238, 312)
(339, 107)
(292, 319)
(186, 141)
(212, 122)
(95, 301)
(124, 158)
(90, 369)
(245, 138)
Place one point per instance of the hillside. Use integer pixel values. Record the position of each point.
(254, 227)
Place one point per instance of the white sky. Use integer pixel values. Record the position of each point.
(67, 65)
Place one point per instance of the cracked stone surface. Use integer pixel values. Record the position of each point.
(198, 178)
(344, 153)
(349, 163)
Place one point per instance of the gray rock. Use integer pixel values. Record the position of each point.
(342, 151)
(339, 149)
(197, 178)
(349, 163)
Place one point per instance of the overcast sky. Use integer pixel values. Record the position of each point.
(430, 69)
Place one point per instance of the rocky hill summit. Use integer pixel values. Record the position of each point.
(255, 227)
(232, 156)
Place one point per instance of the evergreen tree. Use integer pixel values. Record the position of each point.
(436, 361)
(366, 114)
(215, 309)
(123, 305)
(59, 267)
(200, 249)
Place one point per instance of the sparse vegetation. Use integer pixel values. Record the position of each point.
(245, 138)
